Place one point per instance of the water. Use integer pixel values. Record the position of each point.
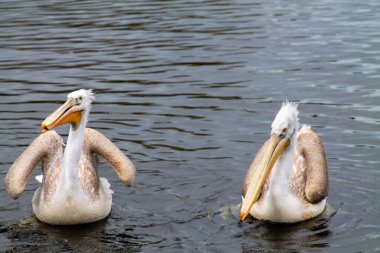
(188, 91)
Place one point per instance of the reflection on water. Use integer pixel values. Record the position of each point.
(312, 234)
(29, 234)
(188, 91)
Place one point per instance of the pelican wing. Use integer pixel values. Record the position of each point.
(45, 145)
(102, 146)
(310, 146)
(257, 161)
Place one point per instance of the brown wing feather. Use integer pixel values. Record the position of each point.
(257, 161)
(102, 146)
(41, 149)
(310, 146)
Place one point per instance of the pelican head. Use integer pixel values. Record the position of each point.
(286, 121)
(284, 126)
(73, 111)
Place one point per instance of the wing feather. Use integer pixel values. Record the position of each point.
(310, 146)
(102, 146)
(43, 146)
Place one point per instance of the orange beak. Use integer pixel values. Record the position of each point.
(261, 174)
(69, 112)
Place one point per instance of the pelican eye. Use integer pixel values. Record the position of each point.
(283, 132)
(78, 100)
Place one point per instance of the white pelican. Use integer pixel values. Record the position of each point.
(71, 191)
(287, 181)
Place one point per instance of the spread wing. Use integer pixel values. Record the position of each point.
(43, 147)
(310, 146)
(102, 146)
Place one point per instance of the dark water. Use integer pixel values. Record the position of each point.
(188, 91)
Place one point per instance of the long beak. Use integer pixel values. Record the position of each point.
(275, 148)
(69, 112)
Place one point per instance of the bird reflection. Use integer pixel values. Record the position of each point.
(298, 237)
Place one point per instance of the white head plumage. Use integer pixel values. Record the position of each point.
(83, 97)
(286, 121)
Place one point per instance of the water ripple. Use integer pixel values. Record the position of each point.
(188, 91)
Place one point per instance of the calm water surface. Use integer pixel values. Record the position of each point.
(188, 91)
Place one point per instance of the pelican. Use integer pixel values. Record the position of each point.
(287, 181)
(71, 191)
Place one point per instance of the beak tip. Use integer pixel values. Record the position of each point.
(243, 215)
